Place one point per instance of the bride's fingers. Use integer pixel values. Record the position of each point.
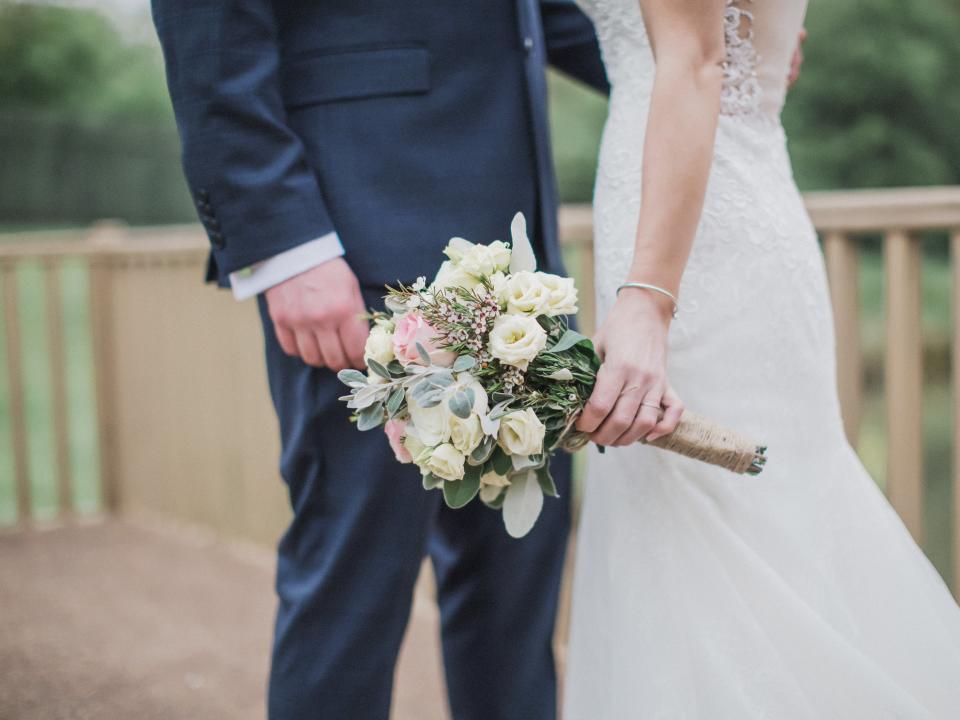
(602, 399)
(619, 420)
(673, 411)
(646, 419)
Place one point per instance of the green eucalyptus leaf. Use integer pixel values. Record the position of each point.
(395, 401)
(569, 339)
(431, 481)
(352, 378)
(522, 505)
(424, 355)
(379, 369)
(464, 363)
(546, 481)
(460, 405)
(483, 451)
(370, 417)
(458, 493)
(502, 464)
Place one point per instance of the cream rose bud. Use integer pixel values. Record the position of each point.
(379, 345)
(466, 434)
(516, 340)
(485, 260)
(451, 275)
(432, 425)
(561, 294)
(522, 433)
(494, 480)
(413, 445)
(498, 287)
(446, 461)
(525, 294)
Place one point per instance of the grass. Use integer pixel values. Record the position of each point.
(81, 405)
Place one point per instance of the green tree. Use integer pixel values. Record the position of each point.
(74, 62)
(878, 102)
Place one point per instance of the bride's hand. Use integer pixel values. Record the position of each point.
(632, 385)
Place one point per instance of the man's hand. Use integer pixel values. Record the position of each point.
(317, 316)
(797, 61)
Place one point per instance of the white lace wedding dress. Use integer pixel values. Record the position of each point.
(701, 594)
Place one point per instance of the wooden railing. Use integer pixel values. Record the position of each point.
(185, 428)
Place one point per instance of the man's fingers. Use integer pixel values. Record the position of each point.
(287, 340)
(353, 338)
(602, 400)
(308, 350)
(333, 355)
(673, 411)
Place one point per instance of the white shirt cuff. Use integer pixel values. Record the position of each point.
(264, 275)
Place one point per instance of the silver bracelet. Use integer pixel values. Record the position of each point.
(654, 288)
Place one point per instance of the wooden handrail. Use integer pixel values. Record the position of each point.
(860, 211)
(126, 266)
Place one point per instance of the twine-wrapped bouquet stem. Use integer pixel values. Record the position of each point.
(698, 438)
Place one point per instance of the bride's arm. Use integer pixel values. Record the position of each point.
(688, 44)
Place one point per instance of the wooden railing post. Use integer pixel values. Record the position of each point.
(904, 378)
(955, 262)
(11, 320)
(842, 258)
(58, 384)
(101, 269)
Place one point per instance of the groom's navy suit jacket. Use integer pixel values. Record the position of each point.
(396, 123)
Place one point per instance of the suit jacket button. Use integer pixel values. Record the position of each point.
(528, 45)
(203, 195)
(216, 239)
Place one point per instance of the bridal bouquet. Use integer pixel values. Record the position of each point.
(477, 378)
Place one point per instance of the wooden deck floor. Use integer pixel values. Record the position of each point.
(120, 620)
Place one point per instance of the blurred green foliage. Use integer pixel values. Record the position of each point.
(75, 63)
(877, 104)
(86, 125)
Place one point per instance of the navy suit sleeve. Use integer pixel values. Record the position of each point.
(572, 43)
(246, 169)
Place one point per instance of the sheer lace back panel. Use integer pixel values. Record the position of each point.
(761, 36)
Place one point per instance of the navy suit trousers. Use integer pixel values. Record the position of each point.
(362, 524)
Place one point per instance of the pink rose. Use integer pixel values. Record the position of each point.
(395, 430)
(412, 329)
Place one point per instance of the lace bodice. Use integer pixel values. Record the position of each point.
(761, 36)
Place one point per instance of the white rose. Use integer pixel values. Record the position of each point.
(413, 446)
(562, 299)
(525, 294)
(498, 287)
(446, 462)
(521, 433)
(516, 340)
(451, 275)
(431, 425)
(485, 260)
(379, 344)
(480, 402)
(456, 248)
(466, 434)
(491, 485)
